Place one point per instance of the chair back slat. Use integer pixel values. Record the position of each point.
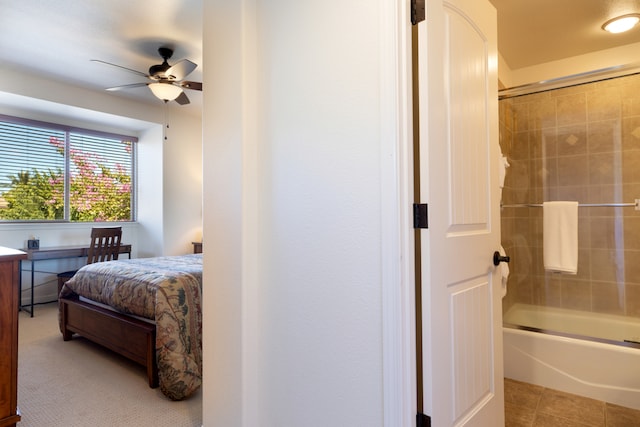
(105, 244)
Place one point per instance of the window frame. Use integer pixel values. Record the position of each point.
(68, 129)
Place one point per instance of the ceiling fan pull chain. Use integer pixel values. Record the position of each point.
(165, 124)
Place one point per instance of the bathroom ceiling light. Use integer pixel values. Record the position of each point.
(622, 23)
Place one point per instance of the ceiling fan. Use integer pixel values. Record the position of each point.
(167, 81)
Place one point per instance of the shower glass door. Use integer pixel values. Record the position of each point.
(576, 143)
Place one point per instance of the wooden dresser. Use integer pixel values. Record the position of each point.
(9, 270)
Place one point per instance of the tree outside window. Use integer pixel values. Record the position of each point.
(98, 171)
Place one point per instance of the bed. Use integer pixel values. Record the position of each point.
(146, 309)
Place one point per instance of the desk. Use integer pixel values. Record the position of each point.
(57, 252)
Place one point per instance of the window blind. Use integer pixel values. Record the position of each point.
(49, 172)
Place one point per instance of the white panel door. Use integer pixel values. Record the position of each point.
(462, 318)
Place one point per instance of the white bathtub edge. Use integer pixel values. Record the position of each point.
(591, 369)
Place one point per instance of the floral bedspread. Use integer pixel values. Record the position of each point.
(165, 289)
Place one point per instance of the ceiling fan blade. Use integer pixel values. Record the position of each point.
(139, 73)
(191, 85)
(182, 99)
(181, 69)
(130, 86)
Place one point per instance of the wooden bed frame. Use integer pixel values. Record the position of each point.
(130, 337)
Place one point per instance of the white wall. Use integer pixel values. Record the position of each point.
(623, 55)
(182, 184)
(170, 171)
(293, 212)
(150, 182)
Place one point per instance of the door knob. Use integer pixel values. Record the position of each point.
(497, 258)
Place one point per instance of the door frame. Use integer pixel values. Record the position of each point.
(397, 241)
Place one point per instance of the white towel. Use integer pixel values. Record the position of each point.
(504, 272)
(503, 164)
(560, 236)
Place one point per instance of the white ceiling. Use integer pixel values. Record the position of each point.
(57, 39)
(532, 32)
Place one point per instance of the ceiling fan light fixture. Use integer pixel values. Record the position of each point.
(620, 24)
(165, 91)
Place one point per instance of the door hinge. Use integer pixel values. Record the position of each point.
(418, 13)
(420, 215)
(423, 420)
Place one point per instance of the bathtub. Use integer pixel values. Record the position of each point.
(604, 368)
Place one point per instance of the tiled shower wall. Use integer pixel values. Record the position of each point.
(578, 143)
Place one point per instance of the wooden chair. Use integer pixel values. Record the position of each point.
(105, 246)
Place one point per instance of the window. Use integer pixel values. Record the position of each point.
(50, 172)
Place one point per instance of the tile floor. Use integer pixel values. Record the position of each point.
(528, 405)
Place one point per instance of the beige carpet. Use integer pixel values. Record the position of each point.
(77, 383)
